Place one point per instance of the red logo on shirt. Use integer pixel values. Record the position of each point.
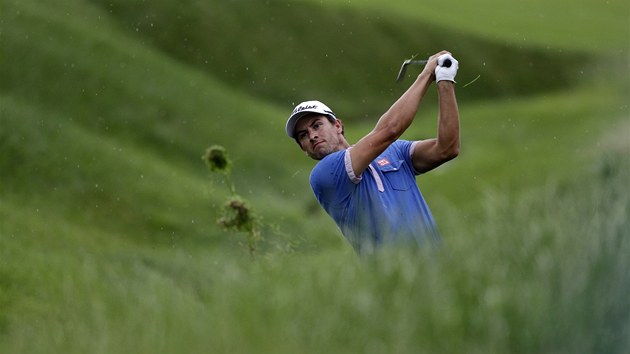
(382, 162)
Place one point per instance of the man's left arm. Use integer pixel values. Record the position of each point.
(431, 153)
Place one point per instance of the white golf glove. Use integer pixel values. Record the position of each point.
(446, 73)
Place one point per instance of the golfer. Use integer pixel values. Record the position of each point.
(369, 188)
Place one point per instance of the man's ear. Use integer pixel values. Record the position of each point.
(339, 125)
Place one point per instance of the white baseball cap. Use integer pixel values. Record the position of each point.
(304, 108)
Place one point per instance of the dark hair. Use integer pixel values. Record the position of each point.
(330, 119)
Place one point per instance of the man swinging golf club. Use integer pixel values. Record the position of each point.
(369, 188)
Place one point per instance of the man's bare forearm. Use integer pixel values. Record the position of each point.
(448, 140)
(401, 114)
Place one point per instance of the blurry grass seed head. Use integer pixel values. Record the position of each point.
(217, 160)
(237, 216)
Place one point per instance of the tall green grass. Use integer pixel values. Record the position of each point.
(546, 271)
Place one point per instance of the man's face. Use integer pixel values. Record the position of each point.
(318, 136)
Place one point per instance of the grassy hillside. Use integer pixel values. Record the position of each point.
(349, 57)
(530, 23)
(108, 235)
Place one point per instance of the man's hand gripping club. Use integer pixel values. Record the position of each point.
(446, 68)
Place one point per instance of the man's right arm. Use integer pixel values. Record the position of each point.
(395, 121)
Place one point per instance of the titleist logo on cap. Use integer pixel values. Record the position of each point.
(303, 108)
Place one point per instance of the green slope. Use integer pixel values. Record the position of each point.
(584, 25)
(95, 113)
(286, 54)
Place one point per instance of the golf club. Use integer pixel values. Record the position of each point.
(403, 68)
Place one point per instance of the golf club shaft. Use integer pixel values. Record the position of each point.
(447, 64)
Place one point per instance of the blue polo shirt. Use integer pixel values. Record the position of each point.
(381, 206)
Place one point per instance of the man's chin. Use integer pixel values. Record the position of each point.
(317, 157)
(319, 154)
(322, 151)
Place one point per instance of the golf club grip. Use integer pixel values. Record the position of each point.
(447, 63)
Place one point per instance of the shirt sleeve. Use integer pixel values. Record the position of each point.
(331, 181)
(405, 149)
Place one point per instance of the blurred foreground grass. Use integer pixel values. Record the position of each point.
(545, 272)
